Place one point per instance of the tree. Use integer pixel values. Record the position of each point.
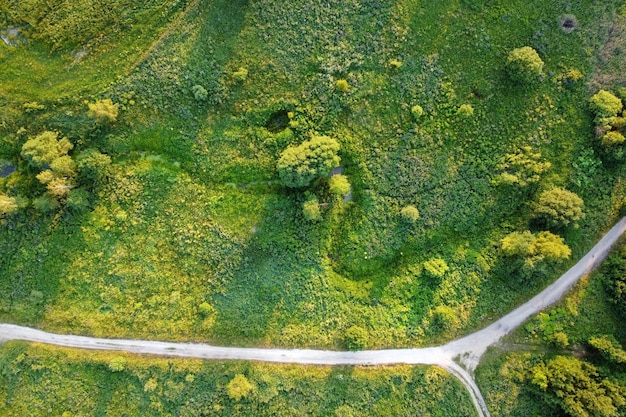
(612, 138)
(559, 207)
(92, 165)
(604, 105)
(577, 388)
(103, 111)
(522, 168)
(609, 347)
(339, 185)
(8, 205)
(524, 65)
(534, 248)
(45, 148)
(239, 387)
(299, 165)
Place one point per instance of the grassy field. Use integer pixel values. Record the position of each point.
(191, 236)
(37, 380)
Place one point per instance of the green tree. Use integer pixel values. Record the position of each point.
(299, 165)
(522, 168)
(604, 104)
(339, 185)
(8, 205)
(92, 166)
(103, 111)
(577, 388)
(239, 387)
(45, 148)
(523, 65)
(559, 207)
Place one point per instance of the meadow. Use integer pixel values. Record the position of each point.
(188, 233)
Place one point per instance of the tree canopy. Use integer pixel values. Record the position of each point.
(524, 65)
(535, 248)
(44, 148)
(299, 165)
(559, 207)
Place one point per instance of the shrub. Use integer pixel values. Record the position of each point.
(45, 204)
(339, 185)
(240, 75)
(613, 138)
(465, 110)
(559, 207)
(92, 165)
(342, 85)
(417, 111)
(199, 92)
(117, 364)
(356, 338)
(299, 165)
(103, 111)
(410, 214)
(239, 387)
(524, 65)
(394, 64)
(604, 104)
(311, 209)
(443, 317)
(436, 267)
(77, 200)
(521, 168)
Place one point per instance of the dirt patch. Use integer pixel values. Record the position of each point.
(611, 60)
(11, 36)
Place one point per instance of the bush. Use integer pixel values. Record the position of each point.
(559, 207)
(299, 165)
(45, 204)
(443, 317)
(311, 208)
(465, 110)
(604, 104)
(524, 65)
(117, 364)
(342, 85)
(240, 75)
(417, 111)
(339, 185)
(535, 248)
(521, 168)
(356, 338)
(410, 214)
(239, 387)
(103, 111)
(199, 92)
(436, 267)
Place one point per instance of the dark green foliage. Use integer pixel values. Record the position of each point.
(614, 278)
(524, 65)
(299, 165)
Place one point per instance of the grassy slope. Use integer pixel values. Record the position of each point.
(142, 262)
(37, 380)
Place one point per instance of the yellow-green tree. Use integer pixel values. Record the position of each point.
(522, 168)
(524, 65)
(8, 204)
(559, 207)
(339, 185)
(535, 248)
(299, 165)
(44, 148)
(577, 388)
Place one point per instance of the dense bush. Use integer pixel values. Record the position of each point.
(239, 387)
(410, 214)
(522, 168)
(8, 204)
(356, 338)
(311, 208)
(524, 65)
(103, 111)
(299, 165)
(339, 185)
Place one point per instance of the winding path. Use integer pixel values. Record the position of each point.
(467, 350)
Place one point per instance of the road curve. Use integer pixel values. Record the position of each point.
(467, 350)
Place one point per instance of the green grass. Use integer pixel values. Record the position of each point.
(37, 380)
